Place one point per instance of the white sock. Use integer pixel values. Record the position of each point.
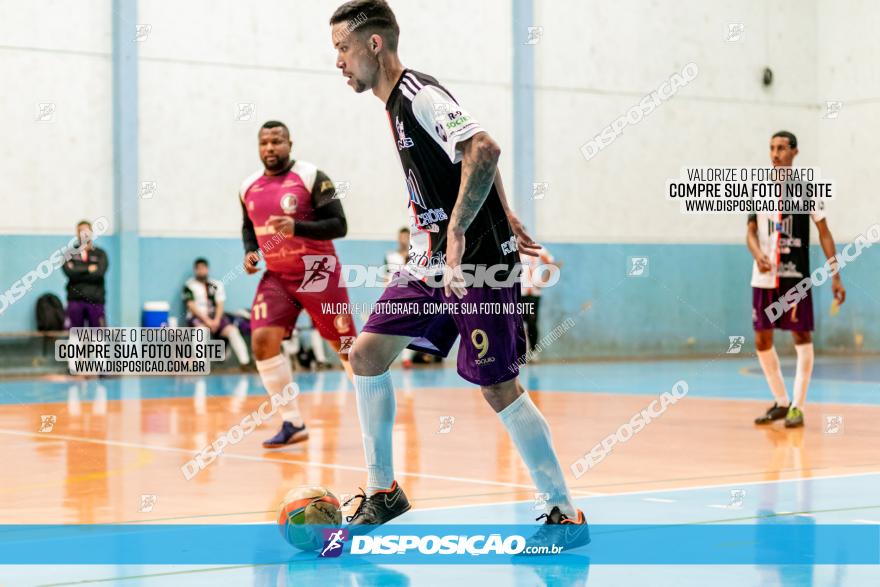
(74, 408)
(318, 346)
(239, 394)
(233, 334)
(200, 397)
(803, 373)
(99, 404)
(773, 372)
(530, 433)
(376, 407)
(275, 374)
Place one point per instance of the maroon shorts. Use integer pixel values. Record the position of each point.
(279, 301)
(767, 314)
(493, 342)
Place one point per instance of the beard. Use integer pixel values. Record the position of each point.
(359, 86)
(280, 163)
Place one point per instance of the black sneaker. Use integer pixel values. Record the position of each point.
(559, 531)
(379, 508)
(289, 434)
(776, 412)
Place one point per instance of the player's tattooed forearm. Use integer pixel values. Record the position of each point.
(477, 177)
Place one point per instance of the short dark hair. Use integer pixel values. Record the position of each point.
(269, 124)
(792, 140)
(402, 230)
(371, 16)
(200, 261)
(81, 222)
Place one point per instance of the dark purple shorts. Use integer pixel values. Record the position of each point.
(79, 312)
(224, 322)
(797, 317)
(487, 319)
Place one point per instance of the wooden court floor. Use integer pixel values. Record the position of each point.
(103, 455)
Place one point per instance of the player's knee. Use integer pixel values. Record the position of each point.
(802, 337)
(501, 395)
(361, 364)
(763, 340)
(264, 347)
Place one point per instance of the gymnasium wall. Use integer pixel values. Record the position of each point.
(197, 147)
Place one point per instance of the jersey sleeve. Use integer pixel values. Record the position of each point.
(187, 295)
(248, 232)
(448, 123)
(323, 190)
(819, 213)
(219, 291)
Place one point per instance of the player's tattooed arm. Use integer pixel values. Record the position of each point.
(479, 163)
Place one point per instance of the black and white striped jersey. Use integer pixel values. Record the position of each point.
(428, 126)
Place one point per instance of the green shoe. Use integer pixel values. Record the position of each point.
(794, 418)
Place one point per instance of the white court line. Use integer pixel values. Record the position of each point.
(644, 491)
(658, 500)
(49, 436)
(867, 521)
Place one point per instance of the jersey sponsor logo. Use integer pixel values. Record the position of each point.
(784, 226)
(326, 185)
(438, 128)
(403, 141)
(789, 269)
(251, 205)
(288, 203)
(509, 246)
(431, 216)
(421, 259)
(415, 193)
(288, 183)
(457, 119)
(342, 323)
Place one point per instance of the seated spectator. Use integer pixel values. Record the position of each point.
(204, 298)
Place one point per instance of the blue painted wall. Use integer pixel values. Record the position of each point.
(691, 300)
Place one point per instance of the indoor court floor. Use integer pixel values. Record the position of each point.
(114, 441)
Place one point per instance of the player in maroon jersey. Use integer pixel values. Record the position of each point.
(291, 216)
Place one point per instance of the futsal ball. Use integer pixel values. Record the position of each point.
(304, 512)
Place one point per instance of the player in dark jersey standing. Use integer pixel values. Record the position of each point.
(459, 219)
(780, 244)
(290, 216)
